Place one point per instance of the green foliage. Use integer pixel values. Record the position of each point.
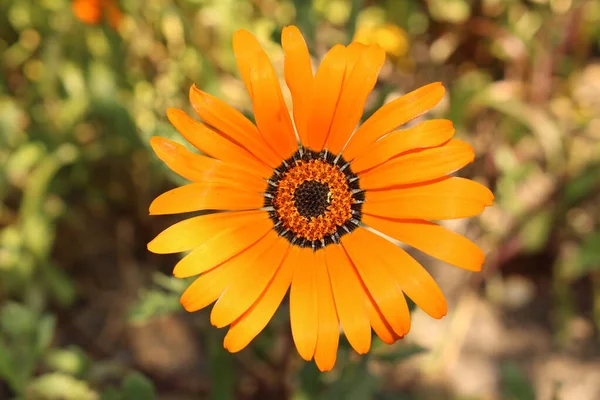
(57, 386)
(517, 385)
(135, 386)
(25, 335)
(588, 258)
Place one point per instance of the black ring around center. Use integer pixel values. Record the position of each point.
(280, 172)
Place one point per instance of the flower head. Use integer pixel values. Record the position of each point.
(92, 12)
(309, 203)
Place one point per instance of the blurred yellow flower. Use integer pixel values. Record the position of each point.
(393, 39)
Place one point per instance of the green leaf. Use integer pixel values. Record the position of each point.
(45, 333)
(355, 383)
(534, 234)
(72, 361)
(153, 303)
(582, 185)
(60, 284)
(400, 353)
(516, 384)
(57, 386)
(310, 380)
(306, 21)
(17, 321)
(136, 386)
(588, 257)
(352, 20)
(111, 393)
(222, 374)
(8, 368)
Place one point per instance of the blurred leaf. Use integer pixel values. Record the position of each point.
(352, 20)
(516, 384)
(72, 361)
(540, 123)
(536, 231)
(310, 379)
(137, 387)
(23, 159)
(38, 234)
(8, 368)
(16, 320)
(152, 303)
(111, 393)
(39, 180)
(355, 383)
(588, 256)
(462, 95)
(453, 11)
(306, 21)
(222, 372)
(400, 353)
(582, 185)
(57, 386)
(60, 284)
(45, 333)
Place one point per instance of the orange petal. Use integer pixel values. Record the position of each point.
(270, 111)
(256, 318)
(446, 198)
(393, 115)
(359, 82)
(193, 232)
(429, 208)
(246, 48)
(304, 306)
(432, 239)
(420, 166)
(205, 196)
(211, 285)
(227, 243)
(199, 168)
(210, 142)
(207, 288)
(298, 76)
(257, 271)
(355, 51)
(410, 276)
(326, 92)
(233, 124)
(447, 186)
(329, 325)
(380, 325)
(426, 134)
(180, 160)
(347, 289)
(377, 279)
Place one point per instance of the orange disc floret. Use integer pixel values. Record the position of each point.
(331, 200)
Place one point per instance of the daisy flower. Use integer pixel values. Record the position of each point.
(310, 204)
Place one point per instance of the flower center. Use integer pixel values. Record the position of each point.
(314, 198)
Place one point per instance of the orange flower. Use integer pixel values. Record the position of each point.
(302, 203)
(92, 11)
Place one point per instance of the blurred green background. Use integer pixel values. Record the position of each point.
(86, 312)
